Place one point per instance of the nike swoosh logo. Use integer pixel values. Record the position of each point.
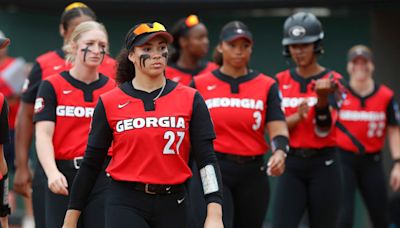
(329, 162)
(67, 91)
(286, 86)
(179, 201)
(57, 67)
(212, 87)
(124, 104)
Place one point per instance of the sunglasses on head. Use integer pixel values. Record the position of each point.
(191, 21)
(146, 28)
(75, 5)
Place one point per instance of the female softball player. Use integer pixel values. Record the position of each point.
(368, 114)
(312, 177)
(190, 46)
(63, 111)
(4, 138)
(47, 64)
(243, 104)
(152, 123)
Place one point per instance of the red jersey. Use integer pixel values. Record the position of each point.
(12, 76)
(294, 90)
(150, 146)
(184, 76)
(53, 62)
(238, 109)
(70, 104)
(366, 118)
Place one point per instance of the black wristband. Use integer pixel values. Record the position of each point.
(280, 142)
(323, 117)
(4, 208)
(397, 160)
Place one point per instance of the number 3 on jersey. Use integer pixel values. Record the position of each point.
(257, 117)
(170, 136)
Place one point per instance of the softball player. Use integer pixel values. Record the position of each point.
(152, 123)
(4, 139)
(63, 110)
(47, 64)
(369, 114)
(190, 46)
(312, 177)
(243, 103)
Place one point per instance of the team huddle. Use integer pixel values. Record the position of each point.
(161, 137)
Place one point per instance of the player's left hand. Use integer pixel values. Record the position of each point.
(276, 163)
(213, 222)
(395, 177)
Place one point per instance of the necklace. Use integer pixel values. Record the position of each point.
(161, 91)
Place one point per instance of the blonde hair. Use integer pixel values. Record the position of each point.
(76, 35)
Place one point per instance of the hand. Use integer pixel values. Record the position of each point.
(213, 222)
(395, 177)
(324, 87)
(214, 216)
(71, 218)
(4, 222)
(23, 181)
(276, 163)
(303, 109)
(58, 183)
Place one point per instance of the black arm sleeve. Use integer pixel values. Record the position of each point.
(100, 138)
(393, 113)
(274, 110)
(4, 134)
(46, 103)
(201, 138)
(34, 79)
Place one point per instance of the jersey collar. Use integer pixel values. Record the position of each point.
(305, 81)
(146, 97)
(235, 82)
(203, 65)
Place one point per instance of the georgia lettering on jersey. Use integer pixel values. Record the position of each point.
(366, 119)
(150, 146)
(295, 90)
(239, 116)
(74, 107)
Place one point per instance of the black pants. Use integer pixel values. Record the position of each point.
(366, 173)
(311, 183)
(128, 208)
(246, 194)
(92, 216)
(39, 186)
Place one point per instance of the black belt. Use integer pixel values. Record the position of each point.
(238, 158)
(310, 152)
(156, 189)
(74, 163)
(70, 164)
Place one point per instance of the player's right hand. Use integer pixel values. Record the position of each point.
(71, 218)
(58, 183)
(23, 181)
